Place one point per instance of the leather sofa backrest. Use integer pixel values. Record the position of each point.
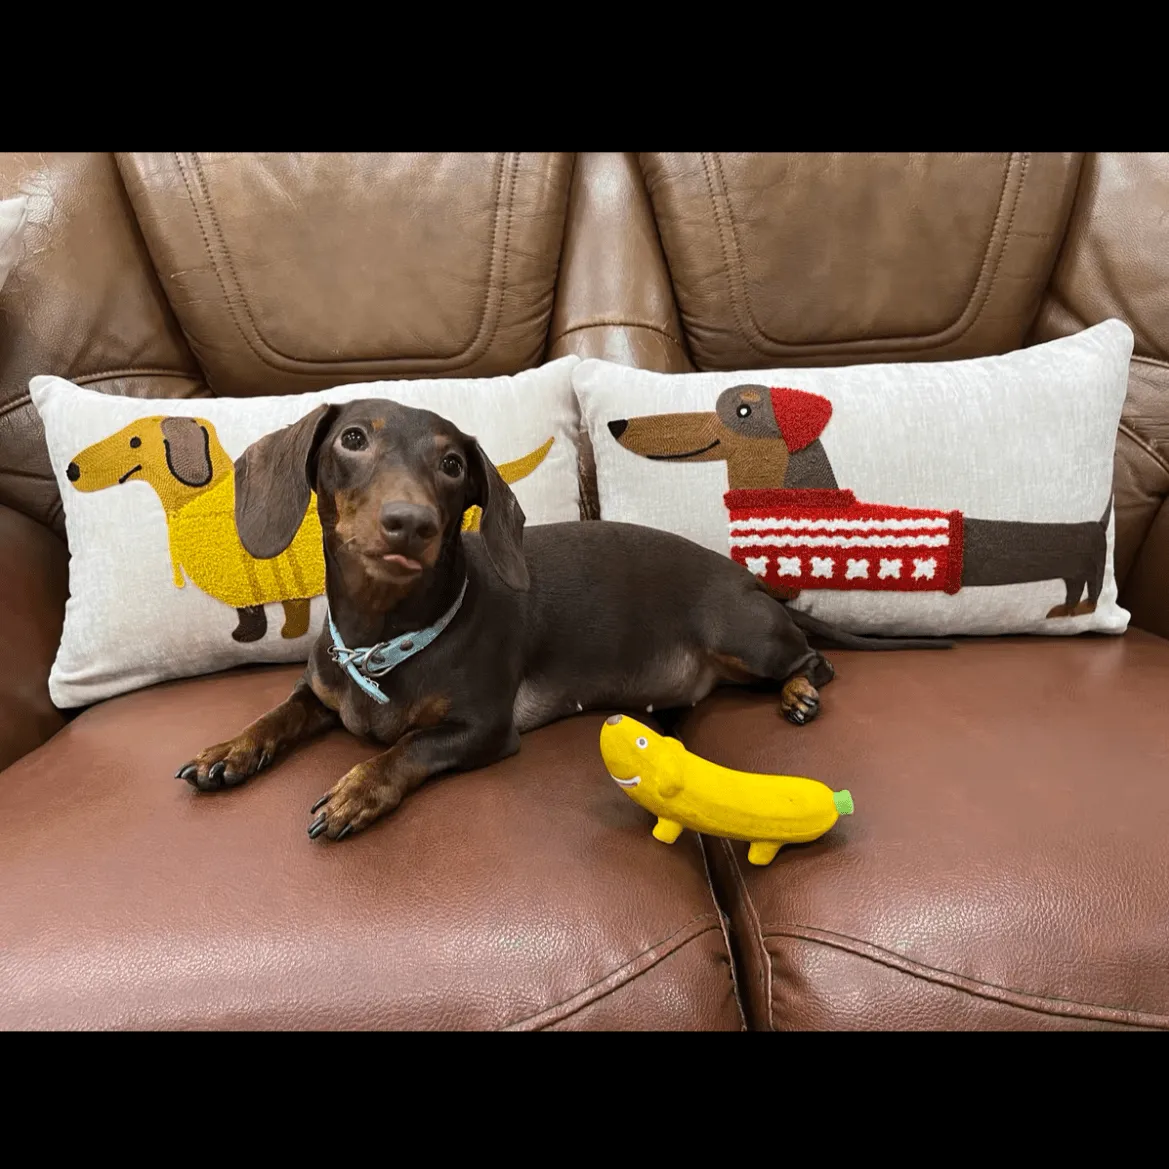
(180, 275)
(797, 259)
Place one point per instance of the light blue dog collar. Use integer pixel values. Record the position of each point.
(363, 665)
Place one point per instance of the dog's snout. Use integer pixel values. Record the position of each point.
(407, 523)
(73, 472)
(617, 427)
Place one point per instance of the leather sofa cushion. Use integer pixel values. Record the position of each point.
(1006, 865)
(527, 895)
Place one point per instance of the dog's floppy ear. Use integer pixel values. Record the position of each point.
(502, 523)
(274, 479)
(188, 450)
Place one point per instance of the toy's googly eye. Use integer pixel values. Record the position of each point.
(643, 743)
(744, 411)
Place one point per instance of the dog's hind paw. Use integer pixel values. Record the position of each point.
(799, 701)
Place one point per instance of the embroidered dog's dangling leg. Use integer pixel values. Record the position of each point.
(296, 617)
(253, 624)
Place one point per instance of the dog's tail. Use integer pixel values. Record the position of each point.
(1107, 516)
(845, 640)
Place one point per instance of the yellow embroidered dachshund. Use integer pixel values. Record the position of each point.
(193, 476)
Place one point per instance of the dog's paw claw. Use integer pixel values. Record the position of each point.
(320, 803)
(344, 831)
(318, 826)
(189, 772)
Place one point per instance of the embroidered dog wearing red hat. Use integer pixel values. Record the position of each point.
(793, 526)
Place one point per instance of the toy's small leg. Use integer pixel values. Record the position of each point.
(667, 831)
(762, 852)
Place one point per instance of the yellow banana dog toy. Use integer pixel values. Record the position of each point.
(684, 791)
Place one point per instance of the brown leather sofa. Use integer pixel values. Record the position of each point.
(1007, 866)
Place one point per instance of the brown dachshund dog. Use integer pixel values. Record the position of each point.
(744, 432)
(562, 618)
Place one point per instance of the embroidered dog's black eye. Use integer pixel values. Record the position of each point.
(744, 411)
(452, 465)
(135, 442)
(353, 439)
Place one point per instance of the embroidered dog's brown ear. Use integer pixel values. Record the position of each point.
(274, 479)
(502, 524)
(188, 450)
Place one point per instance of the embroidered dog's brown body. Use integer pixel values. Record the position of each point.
(556, 620)
(769, 440)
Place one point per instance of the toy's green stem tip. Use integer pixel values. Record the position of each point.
(843, 802)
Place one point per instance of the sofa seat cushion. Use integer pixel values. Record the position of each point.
(526, 895)
(1007, 865)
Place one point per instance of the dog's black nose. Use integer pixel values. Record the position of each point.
(404, 523)
(617, 427)
(74, 472)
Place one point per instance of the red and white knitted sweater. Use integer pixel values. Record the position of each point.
(813, 539)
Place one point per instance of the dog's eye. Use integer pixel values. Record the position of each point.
(135, 442)
(452, 465)
(642, 743)
(744, 411)
(353, 439)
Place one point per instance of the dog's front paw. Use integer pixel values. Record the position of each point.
(353, 804)
(227, 764)
(799, 701)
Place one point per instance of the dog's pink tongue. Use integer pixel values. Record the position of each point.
(404, 561)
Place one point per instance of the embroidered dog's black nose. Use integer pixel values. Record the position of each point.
(403, 523)
(73, 471)
(617, 427)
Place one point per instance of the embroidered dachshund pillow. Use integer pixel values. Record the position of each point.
(930, 498)
(160, 586)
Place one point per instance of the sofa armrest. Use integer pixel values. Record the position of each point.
(1146, 590)
(614, 297)
(33, 589)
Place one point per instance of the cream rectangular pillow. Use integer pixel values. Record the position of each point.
(160, 586)
(928, 498)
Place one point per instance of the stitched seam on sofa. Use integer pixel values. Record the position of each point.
(474, 350)
(576, 1008)
(1152, 452)
(109, 374)
(765, 974)
(615, 979)
(1025, 1000)
(15, 404)
(1157, 361)
(89, 378)
(607, 324)
(941, 336)
(32, 476)
(722, 243)
(724, 921)
(227, 298)
(1026, 160)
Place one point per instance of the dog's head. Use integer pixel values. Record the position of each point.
(392, 484)
(754, 429)
(178, 457)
